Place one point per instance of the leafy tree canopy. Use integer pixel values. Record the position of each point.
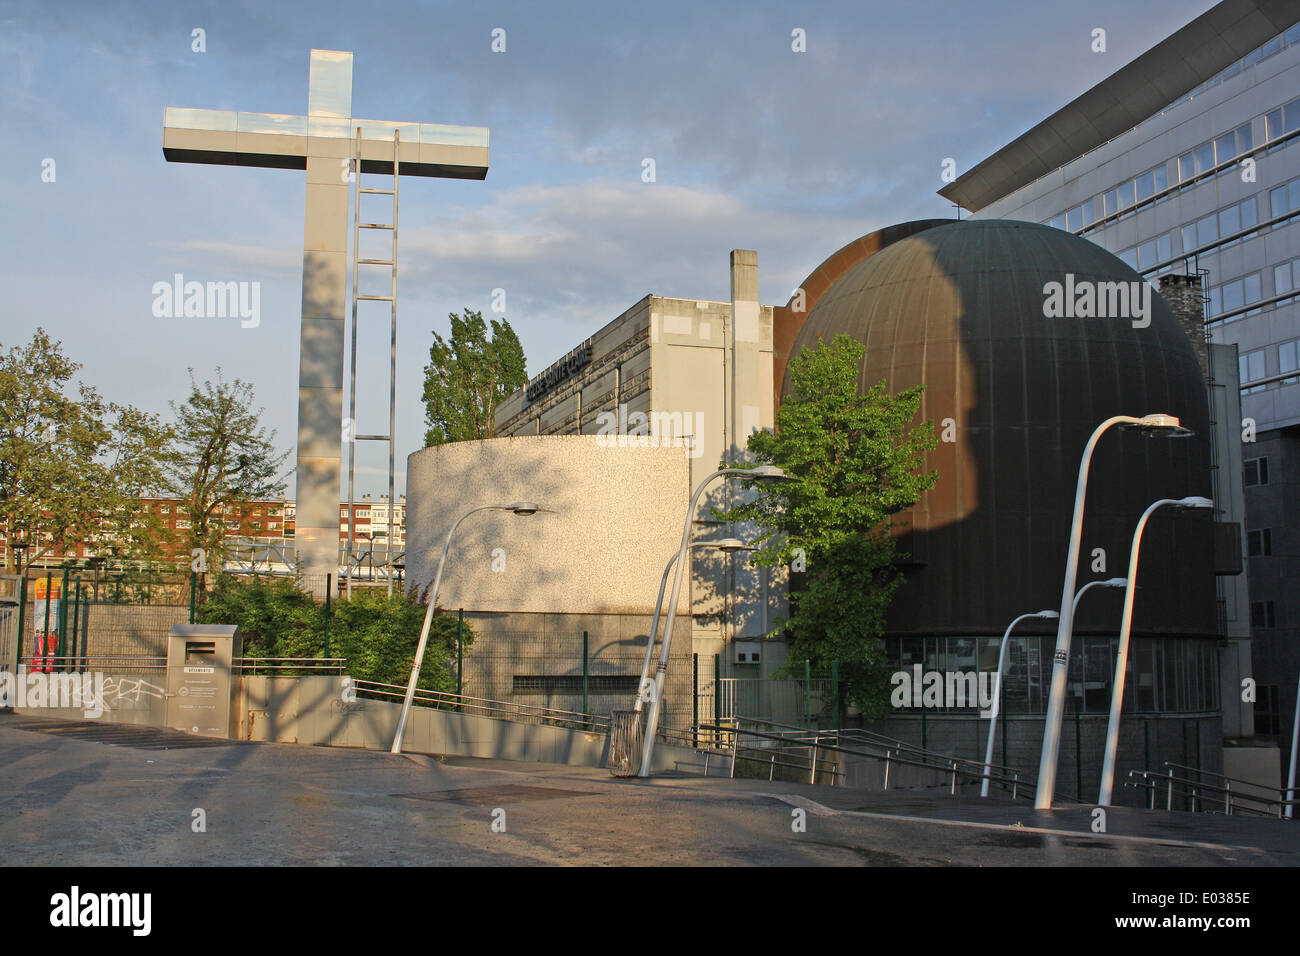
(468, 376)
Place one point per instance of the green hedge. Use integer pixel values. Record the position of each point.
(375, 633)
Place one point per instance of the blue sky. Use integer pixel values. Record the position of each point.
(755, 146)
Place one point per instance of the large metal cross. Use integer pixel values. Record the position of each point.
(323, 143)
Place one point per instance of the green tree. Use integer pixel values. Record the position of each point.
(221, 458)
(375, 633)
(858, 459)
(468, 376)
(72, 469)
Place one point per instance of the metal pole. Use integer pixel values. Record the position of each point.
(995, 709)
(76, 624)
(1121, 659)
(22, 614)
(63, 621)
(1078, 752)
(835, 682)
(460, 652)
(656, 703)
(428, 620)
(584, 672)
(194, 577)
(85, 627)
(694, 701)
(392, 372)
(1295, 741)
(807, 693)
(329, 594)
(1065, 627)
(717, 695)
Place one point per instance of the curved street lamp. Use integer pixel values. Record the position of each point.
(1152, 425)
(997, 696)
(726, 546)
(1125, 628)
(764, 474)
(519, 508)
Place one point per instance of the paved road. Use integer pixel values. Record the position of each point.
(68, 799)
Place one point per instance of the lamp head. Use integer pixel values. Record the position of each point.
(1048, 614)
(1160, 425)
(1194, 503)
(1114, 583)
(524, 508)
(731, 545)
(768, 475)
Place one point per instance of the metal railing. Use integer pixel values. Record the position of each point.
(1203, 796)
(805, 750)
(288, 666)
(118, 664)
(483, 707)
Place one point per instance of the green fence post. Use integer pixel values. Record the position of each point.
(835, 689)
(194, 582)
(63, 622)
(807, 693)
(329, 593)
(22, 614)
(1078, 751)
(717, 690)
(85, 626)
(584, 672)
(1002, 714)
(460, 651)
(45, 632)
(695, 700)
(76, 625)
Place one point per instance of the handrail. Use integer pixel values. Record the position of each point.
(1015, 782)
(498, 709)
(1231, 799)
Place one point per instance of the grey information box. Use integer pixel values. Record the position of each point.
(200, 678)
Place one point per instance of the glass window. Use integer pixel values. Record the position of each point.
(1074, 219)
(1288, 358)
(1058, 222)
(1110, 200)
(1204, 157)
(1293, 35)
(1249, 218)
(1270, 48)
(1130, 257)
(1293, 195)
(1147, 254)
(1273, 123)
(1145, 186)
(1161, 177)
(1277, 201)
(1229, 221)
(1189, 238)
(1164, 247)
(1245, 139)
(1216, 300)
(1125, 193)
(1232, 295)
(1282, 279)
(1291, 115)
(1226, 146)
(1187, 167)
(1252, 288)
(1088, 217)
(1256, 471)
(1207, 230)
(1255, 364)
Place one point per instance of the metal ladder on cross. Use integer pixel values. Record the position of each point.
(357, 297)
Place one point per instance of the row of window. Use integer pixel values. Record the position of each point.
(1285, 119)
(1194, 163)
(1285, 199)
(1236, 294)
(1271, 48)
(1165, 675)
(1253, 365)
(1255, 471)
(1259, 543)
(1145, 256)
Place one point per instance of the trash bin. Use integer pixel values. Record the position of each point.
(626, 736)
(200, 678)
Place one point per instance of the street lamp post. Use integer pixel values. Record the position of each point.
(997, 696)
(725, 545)
(1125, 629)
(765, 474)
(1157, 423)
(519, 508)
(1295, 745)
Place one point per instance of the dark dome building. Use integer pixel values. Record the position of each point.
(959, 307)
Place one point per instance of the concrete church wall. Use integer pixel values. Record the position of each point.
(593, 566)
